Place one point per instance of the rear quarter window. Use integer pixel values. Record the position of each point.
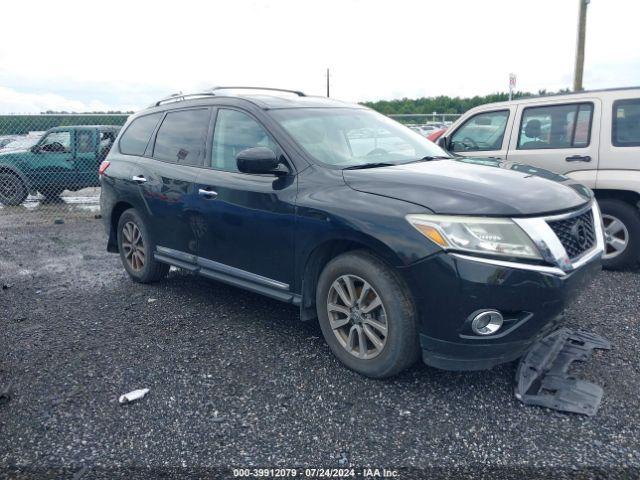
(626, 123)
(136, 137)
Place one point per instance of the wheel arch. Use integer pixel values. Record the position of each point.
(322, 254)
(116, 212)
(628, 196)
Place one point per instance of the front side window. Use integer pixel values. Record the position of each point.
(626, 123)
(58, 142)
(482, 132)
(557, 126)
(135, 139)
(346, 137)
(182, 137)
(236, 131)
(84, 141)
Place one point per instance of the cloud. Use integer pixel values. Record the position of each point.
(376, 49)
(12, 101)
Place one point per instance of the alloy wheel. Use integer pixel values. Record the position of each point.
(133, 246)
(616, 236)
(357, 317)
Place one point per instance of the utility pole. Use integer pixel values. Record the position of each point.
(582, 26)
(327, 83)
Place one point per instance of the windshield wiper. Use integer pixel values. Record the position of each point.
(369, 165)
(428, 158)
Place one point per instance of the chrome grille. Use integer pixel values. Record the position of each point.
(577, 233)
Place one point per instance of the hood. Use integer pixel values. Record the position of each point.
(469, 186)
(18, 151)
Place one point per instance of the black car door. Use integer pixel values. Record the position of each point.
(247, 219)
(166, 178)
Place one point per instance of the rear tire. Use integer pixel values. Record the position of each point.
(622, 223)
(399, 347)
(13, 190)
(51, 193)
(136, 249)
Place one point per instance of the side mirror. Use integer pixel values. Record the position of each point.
(443, 143)
(259, 160)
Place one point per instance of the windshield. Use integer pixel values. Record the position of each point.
(346, 137)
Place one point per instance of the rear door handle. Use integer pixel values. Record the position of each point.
(139, 178)
(208, 194)
(578, 158)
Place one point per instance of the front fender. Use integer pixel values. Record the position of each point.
(338, 214)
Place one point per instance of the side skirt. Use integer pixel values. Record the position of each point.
(227, 274)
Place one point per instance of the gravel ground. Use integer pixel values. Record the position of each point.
(236, 379)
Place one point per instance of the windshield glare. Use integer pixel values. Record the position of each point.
(347, 137)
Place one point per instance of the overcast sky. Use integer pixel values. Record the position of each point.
(87, 55)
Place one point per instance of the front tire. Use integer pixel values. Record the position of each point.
(622, 234)
(366, 315)
(136, 249)
(13, 190)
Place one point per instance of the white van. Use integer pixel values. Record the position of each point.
(592, 137)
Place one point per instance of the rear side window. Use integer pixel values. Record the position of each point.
(482, 132)
(182, 137)
(556, 126)
(135, 139)
(626, 123)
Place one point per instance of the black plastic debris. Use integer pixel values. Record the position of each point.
(542, 377)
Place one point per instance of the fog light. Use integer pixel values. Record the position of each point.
(487, 322)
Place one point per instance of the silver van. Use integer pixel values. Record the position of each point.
(592, 137)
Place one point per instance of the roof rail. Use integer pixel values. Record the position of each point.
(179, 97)
(270, 89)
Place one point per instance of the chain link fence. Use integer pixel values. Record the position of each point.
(49, 165)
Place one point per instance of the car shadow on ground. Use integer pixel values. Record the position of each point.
(276, 319)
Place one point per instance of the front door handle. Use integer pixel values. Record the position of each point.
(139, 178)
(208, 194)
(578, 158)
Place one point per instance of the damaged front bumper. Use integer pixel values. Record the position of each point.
(532, 303)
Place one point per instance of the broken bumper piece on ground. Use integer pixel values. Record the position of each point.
(542, 377)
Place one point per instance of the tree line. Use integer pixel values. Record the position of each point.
(446, 104)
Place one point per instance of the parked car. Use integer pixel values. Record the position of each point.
(592, 137)
(64, 158)
(436, 134)
(425, 130)
(23, 142)
(397, 248)
(4, 141)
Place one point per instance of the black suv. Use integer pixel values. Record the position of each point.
(397, 248)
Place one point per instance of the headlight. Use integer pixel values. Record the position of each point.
(492, 236)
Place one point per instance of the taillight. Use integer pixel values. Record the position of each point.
(103, 166)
